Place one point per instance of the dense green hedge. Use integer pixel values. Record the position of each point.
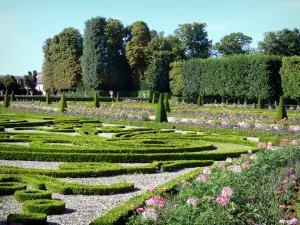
(8, 188)
(27, 219)
(239, 75)
(25, 195)
(47, 206)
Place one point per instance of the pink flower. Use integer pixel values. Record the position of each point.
(229, 160)
(244, 155)
(139, 210)
(245, 165)
(281, 191)
(226, 191)
(235, 168)
(294, 142)
(222, 200)
(221, 165)
(293, 182)
(156, 201)
(164, 189)
(285, 182)
(262, 145)
(202, 177)
(133, 206)
(153, 189)
(291, 171)
(283, 206)
(253, 157)
(207, 170)
(192, 201)
(293, 221)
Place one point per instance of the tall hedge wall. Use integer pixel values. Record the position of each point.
(239, 75)
(290, 75)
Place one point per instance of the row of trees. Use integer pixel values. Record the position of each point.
(247, 76)
(111, 56)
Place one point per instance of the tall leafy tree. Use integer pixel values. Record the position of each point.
(176, 78)
(137, 52)
(30, 80)
(234, 43)
(10, 83)
(195, 40)
(285, 42)
(95, 54)
(50, 49)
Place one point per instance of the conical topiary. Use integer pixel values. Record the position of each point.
(48, 98)
(153, 98)
(238, 102)
(96, 101)
(117, 98)
(12, 97)
(5, 100)
(259, 103)
(166, 102)
(227, 103)
(199, 101)
(281, 112)
(215, 102)
(161, 115)
(63, 103)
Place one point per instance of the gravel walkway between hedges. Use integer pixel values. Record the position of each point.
(82, 209)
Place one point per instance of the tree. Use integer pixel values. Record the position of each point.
(285, 43)
(63, 103)
(195, 40)
(95, 55)
(176, 78)
(234, 43)
(153, 98)
(5, 100)
(281, 111)
(10, 83)
(96, 101)
(30, 80)
(290, 77)
(12, 97)
(48, 98)
(137, 52)
(166, 102)
(50, 51)
(161, 115)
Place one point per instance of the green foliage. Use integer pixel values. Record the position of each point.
(283, 43)
(117, 98)
(30, 80)
(10, 83)
(137, 52)
(281, 111)
(48, 98)
(9, 188)
(96, 100)
(25, 195)
(95, 58)
(290, 77)
(5, 100)
(166, 102)
(49, 207)
(27, 219)
(153, 97)
(161, 114)
(63, 103)
(176, 78)
(195, 40)
(62, 67)
(234, 43)
(259, 103)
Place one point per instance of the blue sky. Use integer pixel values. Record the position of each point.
(26, 24)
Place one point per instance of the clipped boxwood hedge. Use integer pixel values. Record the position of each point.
(27, 219)
(9, 188)
(49, 207)
(25, 195)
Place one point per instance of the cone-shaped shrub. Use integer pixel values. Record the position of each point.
(12, 97)
(215, 102)
(117, 98)
(238, 102)
(48, 98)
(259, 103)
(63, 103)
(5, 100)
(281, 112)
(153, 98)
(96, 101)
(161, 115)
(166, 102)
(200, 100)
(227, 103)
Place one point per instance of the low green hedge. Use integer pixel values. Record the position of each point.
(24, 195)
(49, 207)
(27, 219)
(185, 164)
(9, 188)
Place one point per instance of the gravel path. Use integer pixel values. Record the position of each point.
(82, 209)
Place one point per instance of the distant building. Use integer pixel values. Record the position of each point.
(39, 83)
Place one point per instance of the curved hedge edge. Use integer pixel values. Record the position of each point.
(49, 207)
(31, 195)
(27, 218)
(8, 188)
(185, 164)
(121, 213)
